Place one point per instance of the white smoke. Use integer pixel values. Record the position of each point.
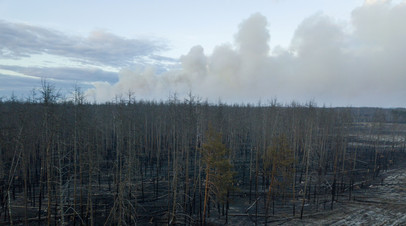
(358, 63)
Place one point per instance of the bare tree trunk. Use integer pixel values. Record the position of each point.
(206, 193)
(89, 209)
(256, 184)
(307, 170)
(48, 152)
(251, 166)
(61, 195)
(25, 168)
(40, 190)
(75, 166)
(175, 177)
(270, 191)
(9, 207)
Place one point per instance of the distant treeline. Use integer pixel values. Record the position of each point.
(184, 161)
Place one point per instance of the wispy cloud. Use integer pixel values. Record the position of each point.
(36, 52)
(82, 75)
(19, 40)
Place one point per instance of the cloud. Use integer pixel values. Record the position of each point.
(21, 40)
(81, 75)
(39, 52)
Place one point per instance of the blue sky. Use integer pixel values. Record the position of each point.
(154, 48)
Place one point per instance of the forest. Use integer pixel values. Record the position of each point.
(66, 161)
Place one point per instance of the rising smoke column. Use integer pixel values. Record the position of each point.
(357, 62)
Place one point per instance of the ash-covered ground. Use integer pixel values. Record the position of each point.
(383, 203)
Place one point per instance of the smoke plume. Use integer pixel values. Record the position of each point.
(357, 63)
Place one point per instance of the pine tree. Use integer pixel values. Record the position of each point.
(218, 169)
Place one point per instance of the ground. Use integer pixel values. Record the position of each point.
(383, 203)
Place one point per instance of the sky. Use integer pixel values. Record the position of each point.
(333, 53)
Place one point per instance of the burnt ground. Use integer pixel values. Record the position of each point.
(382, 203)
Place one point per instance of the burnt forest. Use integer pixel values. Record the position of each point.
(186, 161)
